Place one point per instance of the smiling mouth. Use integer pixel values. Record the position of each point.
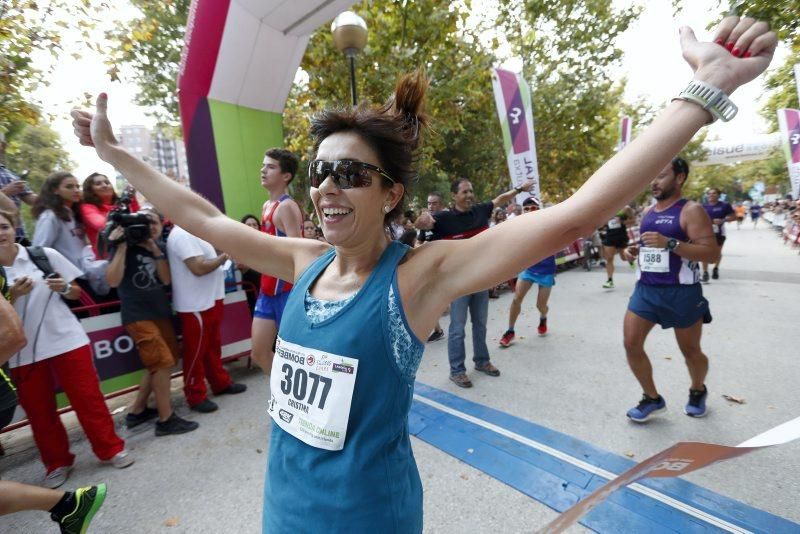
(335, 214)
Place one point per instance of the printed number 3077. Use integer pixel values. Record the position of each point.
(295, 382)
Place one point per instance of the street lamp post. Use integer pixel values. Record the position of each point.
(350, 36)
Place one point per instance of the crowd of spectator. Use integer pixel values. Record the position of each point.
(76, 254)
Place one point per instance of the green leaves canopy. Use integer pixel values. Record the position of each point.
(567, 47)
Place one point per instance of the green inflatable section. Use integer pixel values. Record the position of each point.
(241, 136)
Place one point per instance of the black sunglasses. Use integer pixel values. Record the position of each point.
(346, 173)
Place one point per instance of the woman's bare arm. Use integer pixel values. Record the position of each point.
(463, 267)
(278, 257)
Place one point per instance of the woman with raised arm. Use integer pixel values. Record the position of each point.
(342, 378)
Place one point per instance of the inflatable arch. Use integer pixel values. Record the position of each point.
(238, 64)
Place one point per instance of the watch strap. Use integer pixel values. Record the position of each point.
(712, 99)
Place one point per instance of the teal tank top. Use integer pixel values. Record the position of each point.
(340, 457)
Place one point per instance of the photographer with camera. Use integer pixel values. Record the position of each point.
(100, 199)
(135, 225)
(57, 349)
(140, 271)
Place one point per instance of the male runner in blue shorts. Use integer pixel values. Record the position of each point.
(720, 213)
(755, 213)
(282, 217)
(675, 234)
(542, 274)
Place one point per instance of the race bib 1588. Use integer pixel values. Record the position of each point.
(311, 393)
(653, 260)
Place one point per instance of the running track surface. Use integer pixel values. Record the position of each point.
(558, 470)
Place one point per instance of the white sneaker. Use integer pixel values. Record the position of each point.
(57, 477)
(122, 459)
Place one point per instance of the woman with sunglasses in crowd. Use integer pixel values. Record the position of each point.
(57, 349)
(99, 199)
(342, 377)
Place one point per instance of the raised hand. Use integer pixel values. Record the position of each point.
(715, 63)
(95, 129)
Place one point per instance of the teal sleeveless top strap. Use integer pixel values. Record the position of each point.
(340, 456)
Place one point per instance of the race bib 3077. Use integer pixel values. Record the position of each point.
(311, 394)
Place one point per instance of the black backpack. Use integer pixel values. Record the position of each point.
(40, 260)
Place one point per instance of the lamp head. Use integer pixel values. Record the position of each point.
(349, 33)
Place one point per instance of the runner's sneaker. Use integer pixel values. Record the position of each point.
(705, 277)
(507, 338)
(87, 502)
(436, 335)
(57, 477)
(122, 459)
(206, 406)
(696, 407)
(488, 369)
(233, 389)
(135, 419)
(542, 327)
(647, 408)
(609, 285)
(461, 380)
(715, 273)
(175, 425)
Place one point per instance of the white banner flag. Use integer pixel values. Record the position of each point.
(515, 110)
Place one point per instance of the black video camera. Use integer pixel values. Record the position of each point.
(136, 225)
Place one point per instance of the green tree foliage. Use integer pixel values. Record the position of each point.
(783, 18)
(568, 48)
(150, 46)
(403, 36)
(28, 28)
(37, 149)
(570, 43)
(736, 180)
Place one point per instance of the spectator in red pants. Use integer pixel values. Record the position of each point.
(198, 288)
(57, 349)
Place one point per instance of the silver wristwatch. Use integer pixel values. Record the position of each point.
(711, 98)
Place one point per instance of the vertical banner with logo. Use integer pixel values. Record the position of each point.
(515, 110)
(625, 127)
(789, 122)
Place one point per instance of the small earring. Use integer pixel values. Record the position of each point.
(387, 208)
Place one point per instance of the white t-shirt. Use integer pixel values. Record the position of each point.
(191, 293)
(60, 331)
